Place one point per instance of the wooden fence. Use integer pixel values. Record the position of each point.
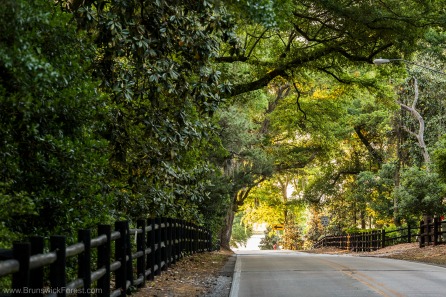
(107, 265)
(429, 232)
(432, 231)
(357, 242)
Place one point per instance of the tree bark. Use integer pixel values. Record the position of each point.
(237, 200)
(226, 231)
(421, 126)
(280, 71)
(373, 152)
(396, 177)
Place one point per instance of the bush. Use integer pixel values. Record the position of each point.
(270, 239)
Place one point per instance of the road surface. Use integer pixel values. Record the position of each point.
(293, 274)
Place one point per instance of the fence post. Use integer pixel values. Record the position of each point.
(436, 227)
(129, 256)
(368, 241)
(187, 238)
(121, 255)
(209, 241)
(173, 239)
(57, 269)
(141, 246)
(169, 243)
(427, 229)
(181, 237)
(376, 240)
(409, 233)
(151, 259)
(203, 239)
(178, 239)
(84, 260)
(164, 244)
(383, 238)
(193, 238)
(363, 241)
(20, 280)
(421, 236)
(158, 246)
(197, 238)
(104, 255)
(36, 275)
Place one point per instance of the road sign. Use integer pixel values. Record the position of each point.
(325, 221)
(278, 227)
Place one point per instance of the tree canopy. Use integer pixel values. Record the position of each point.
(204, 109)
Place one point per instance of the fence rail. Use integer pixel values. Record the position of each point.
(432, 231)
(429, 232)
(118, 262)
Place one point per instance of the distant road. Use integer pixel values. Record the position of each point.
(293, 274)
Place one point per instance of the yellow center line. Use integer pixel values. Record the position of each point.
(364, 279)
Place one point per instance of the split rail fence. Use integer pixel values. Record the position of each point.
(431, 231)
(108, 265)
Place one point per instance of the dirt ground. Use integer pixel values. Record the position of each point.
(196, 275)
(406, 251)
(193, 276)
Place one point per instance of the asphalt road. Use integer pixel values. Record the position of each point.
(293, 274)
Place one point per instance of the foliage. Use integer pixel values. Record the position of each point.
(198, 109)
(314, 228)
(309, 42)
(154, 62)
(12, 206)
(264, 204)
(439, 157)
(271, 238)
(292, 238)
(421, 192)
(240, 232)
(215, 208)
(377, 191)
(53, 162)
(268, 13)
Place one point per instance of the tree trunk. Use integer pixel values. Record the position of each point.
(396, 177)
(226, 231)
(237, 200)
(362, 214)
(373, 152)
(419, 135)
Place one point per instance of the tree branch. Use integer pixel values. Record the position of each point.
(372, 151)
(421, 126)
(279, 71)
